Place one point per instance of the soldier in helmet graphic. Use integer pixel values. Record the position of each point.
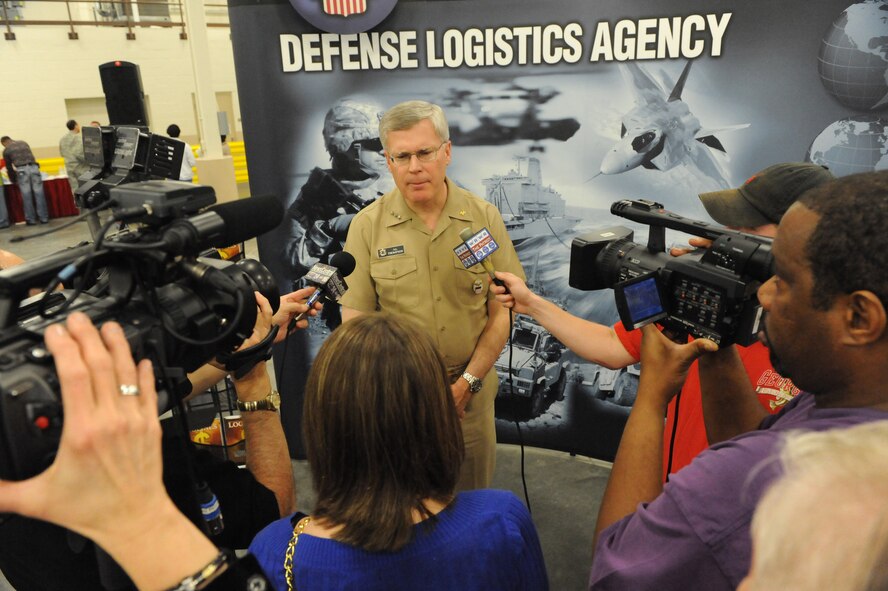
(322, 211)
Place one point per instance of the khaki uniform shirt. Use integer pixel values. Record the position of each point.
(403, 267)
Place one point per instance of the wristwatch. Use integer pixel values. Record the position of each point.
(474, 383)
(271, 402)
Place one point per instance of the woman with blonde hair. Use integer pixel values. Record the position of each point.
(384, 444)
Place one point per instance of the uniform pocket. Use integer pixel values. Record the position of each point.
(395, 280)
(471, 284)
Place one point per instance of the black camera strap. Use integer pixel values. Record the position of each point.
(241, 362)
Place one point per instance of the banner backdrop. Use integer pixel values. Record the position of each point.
(557, 109)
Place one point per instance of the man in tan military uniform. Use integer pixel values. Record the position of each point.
(403, 247)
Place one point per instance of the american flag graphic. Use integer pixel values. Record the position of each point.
(345, 7)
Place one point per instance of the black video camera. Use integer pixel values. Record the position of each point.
(709, 294)
(124, 154)
(176, 307)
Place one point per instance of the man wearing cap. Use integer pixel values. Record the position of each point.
(756, 208)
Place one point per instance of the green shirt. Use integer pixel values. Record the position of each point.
(71, 149)
(403, 267)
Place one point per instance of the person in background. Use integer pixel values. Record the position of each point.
(71, 149)
(188, 160)
(756, 208)
(20, 160)
(226, 149)
(4, 213)
(830, 503)
(383, 441)
(403, 244)
(826, 328)
(95, 123)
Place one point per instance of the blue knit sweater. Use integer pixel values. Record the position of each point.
(484, 539)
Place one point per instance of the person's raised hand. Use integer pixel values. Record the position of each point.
(518, 297)
(695, 241)
(106, 478)
(293, 304)
(665, 364)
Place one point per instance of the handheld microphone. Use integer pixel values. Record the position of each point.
(209, 509)
(480, 253)
(328, 280)
(224, 224)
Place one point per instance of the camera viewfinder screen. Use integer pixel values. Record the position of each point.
(93, 152)
(643, 300)
(125, 148)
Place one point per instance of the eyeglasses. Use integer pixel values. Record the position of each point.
(424, 155)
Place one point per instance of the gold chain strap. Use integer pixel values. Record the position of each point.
(291, 548)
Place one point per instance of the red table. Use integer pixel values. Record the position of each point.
(59, 200)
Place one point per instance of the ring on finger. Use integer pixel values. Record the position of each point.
(128, 390)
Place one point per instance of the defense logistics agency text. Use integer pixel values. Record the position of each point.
(625, 40)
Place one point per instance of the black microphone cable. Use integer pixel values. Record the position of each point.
(517, 423)
(672, 436)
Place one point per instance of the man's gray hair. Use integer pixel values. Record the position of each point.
(824, 523)
(407, 114)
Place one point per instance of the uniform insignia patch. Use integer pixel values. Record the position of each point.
(390, 251)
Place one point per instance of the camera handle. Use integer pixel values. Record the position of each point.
(652, 214)
(241, 362)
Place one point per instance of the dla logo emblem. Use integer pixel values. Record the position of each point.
(344, 16)
(345, 7)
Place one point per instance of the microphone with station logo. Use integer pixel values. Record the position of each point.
(475, 249)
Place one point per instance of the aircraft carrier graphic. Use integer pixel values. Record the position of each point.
(528, 208)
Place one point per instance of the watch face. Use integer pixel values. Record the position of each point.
(274, 400)
(474, 383)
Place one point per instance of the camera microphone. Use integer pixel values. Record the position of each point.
(224, 225)
(327, 280)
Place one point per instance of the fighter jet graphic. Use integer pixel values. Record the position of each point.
(661, 133)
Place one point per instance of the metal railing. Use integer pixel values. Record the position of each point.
(129, 14)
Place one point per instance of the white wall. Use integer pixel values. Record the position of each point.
(42, 67)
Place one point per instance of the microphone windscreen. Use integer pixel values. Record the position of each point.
(247, 218)
(343, 261)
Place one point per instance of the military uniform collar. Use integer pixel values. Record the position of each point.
(397, 210)
(456, 206)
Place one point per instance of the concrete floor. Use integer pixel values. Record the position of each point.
(564, 491)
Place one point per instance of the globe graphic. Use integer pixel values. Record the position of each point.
(851, 145)
(853, 61)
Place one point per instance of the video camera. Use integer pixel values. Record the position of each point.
(122, 154)
(709, 294)
(176, 307)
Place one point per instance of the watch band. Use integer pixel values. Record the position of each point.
(271, 402)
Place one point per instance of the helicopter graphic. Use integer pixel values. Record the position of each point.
(500, 113)
(661, 132)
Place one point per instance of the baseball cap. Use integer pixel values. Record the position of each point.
(765, 197)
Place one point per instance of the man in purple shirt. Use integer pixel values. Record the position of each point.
(825, 324)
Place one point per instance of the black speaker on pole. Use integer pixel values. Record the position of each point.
(124, 98)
